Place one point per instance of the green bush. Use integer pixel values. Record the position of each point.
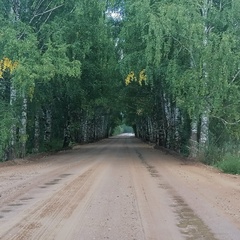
(6, 122)
(230, 164)
(117, 130)
(53, 146)
(212, 155)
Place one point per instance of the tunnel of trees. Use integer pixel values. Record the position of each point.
(73, 70)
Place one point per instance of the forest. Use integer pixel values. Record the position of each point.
(71, 71)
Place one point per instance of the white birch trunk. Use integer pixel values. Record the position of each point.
(15, 9)
(193, 140)
(194, 145)
(204, 132)
(167, 109)
(176, 127)
(23, 130)
(13, 96)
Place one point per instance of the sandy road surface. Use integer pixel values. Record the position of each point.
(118, 188)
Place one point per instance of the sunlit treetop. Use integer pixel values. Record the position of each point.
(142, 77)
(132, 78)
(7, 64)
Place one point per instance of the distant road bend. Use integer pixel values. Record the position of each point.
(118, 189)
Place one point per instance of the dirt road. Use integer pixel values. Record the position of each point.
(118, 188)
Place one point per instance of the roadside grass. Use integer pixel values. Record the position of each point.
(229, 164)
(226, 159)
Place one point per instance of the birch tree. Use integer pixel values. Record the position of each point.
(183, 52)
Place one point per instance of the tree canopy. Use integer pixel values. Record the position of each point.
(71, 70)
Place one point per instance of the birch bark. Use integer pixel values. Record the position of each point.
(194, 140)
(23, 130)
(204, 133)
(195, 146)
(13, 96)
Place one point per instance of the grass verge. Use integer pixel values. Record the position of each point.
(229, 164)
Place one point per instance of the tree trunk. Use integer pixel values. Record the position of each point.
(48, 126)
(23, 131)
(15, 10)
(12, 150)
(150, 129)
(193, 140)
(204, 132)
(67, 135)
(36, 133)
(176, 129)
(166, 120)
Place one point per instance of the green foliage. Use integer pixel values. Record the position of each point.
(6, 121)
(190, 52)
(74, 56)
(230, 164)
(212, 155)
(122, 129)
(53, 146)
(117, 130)
(67, 72)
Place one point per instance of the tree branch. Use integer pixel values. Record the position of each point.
(226, 122)
(47, 11)
(188, 50)
(235, 76)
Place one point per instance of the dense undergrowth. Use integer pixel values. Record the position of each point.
(229, 164)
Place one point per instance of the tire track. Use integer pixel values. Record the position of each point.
(119, 188)
(190, 225)
(51, 214)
